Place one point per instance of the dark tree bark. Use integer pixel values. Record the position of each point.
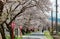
(1, 7)
(1, 26)
(10, 31)
(2, 32)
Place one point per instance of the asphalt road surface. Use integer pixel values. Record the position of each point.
(35, 35)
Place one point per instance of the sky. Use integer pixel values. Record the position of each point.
(54, 9)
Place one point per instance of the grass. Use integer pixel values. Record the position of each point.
(47, 34)
(8, 37)
(18, 37)
(58, 33)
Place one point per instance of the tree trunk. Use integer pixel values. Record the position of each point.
(2, 32)
(11, 34)
(10, 31)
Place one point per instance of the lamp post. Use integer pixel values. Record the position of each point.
(56, 15)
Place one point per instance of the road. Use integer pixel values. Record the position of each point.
(35, 35)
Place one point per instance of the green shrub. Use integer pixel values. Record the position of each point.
(47, 34)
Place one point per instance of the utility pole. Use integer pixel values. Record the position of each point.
(52, 20)
(56, 15)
